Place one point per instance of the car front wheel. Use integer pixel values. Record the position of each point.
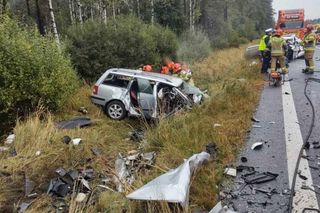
(116, 110)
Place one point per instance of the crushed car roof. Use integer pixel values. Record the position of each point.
(167, 79)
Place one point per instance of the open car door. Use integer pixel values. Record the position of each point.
(146, 97)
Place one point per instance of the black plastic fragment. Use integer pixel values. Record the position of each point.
(74, 123)
(66, 139)
(58, 187)
(258, 177)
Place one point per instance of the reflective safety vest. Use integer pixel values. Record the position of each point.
(277, 46)
(263, 45)
(309, 42)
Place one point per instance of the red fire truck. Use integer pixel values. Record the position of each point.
(291, 22)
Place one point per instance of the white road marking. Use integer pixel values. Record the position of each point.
(294, 141)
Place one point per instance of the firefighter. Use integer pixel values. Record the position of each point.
(168, 66)
(147, 68)
(277, 46)
(265, 53)
(176, 69)
(309, 45)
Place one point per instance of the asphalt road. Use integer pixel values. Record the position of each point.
(285, 118)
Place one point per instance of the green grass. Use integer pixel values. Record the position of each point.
(234, 89)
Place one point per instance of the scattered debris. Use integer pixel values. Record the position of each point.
(127, 167)
(217, 125)
(74, 123)
(76, 141)
(241, 168)
(302, 176)
(38, 153)
(58, 187)
(80, 197)
(61, 171)
(23, 207)
(259, 177)
(256, 126)
(244, 159)
(272, 122)
(4, 149)
(172, 186)
(10, 139)
(136, 135)
(257, 146)
(66, 139)
(83, 110)
(286, 93)
(255, 120)
(211, 148)
(231, 172)
(29, 186)
(95, 151)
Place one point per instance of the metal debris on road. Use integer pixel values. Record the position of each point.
(257, 146)
(303, 177)
(255, 120)
(231, 172)
(259, 177)
(256, 126)
(244, 159)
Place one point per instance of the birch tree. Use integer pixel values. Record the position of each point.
(53, 23)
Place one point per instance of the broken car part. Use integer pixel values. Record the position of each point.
(258, 177)
(172, 186)
(10, 139)
(66, 139)
(257, 146)
(58, 187)
(231, 172)
(74, 123)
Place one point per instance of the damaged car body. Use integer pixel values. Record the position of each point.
(125, 92)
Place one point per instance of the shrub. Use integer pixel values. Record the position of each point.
(32, 71)
(193, 45)
(125, 42)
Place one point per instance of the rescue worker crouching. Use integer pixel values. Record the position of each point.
(265, 53)
(278, 47)
(309, 45)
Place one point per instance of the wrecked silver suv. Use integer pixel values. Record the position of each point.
(125, 92)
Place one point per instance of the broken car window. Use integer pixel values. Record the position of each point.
(145, 86)
(117, 80)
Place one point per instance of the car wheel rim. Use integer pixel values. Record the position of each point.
(115, 111)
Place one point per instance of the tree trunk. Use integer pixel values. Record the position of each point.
(114, 10)
(71, 11)
(39, 19)
(104, 13)
(152, 12)
(28, 7)
(53, 23)
(190, 14)
(138, 8)
(80, 11)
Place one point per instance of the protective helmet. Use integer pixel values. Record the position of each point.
(309, 27)
(275, 75)
(278, 32)
(147, 68)
(176, 67)
(165, 70)
(268, 30)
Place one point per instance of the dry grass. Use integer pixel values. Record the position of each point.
(234, 88)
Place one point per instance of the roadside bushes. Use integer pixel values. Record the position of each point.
(33, 71)
(193, 46)
(125, 42)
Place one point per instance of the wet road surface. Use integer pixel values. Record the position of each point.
(285, 119)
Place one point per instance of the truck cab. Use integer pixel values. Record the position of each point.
(292, 22)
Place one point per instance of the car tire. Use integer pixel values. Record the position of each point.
(116, 110)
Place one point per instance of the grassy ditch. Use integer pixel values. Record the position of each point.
(234, 89)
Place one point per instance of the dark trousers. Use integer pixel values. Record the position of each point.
(266, 58)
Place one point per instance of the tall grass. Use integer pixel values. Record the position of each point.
(234, 91)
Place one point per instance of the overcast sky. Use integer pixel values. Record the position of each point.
(312, 7)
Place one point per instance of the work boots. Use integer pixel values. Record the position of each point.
(307, 71)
